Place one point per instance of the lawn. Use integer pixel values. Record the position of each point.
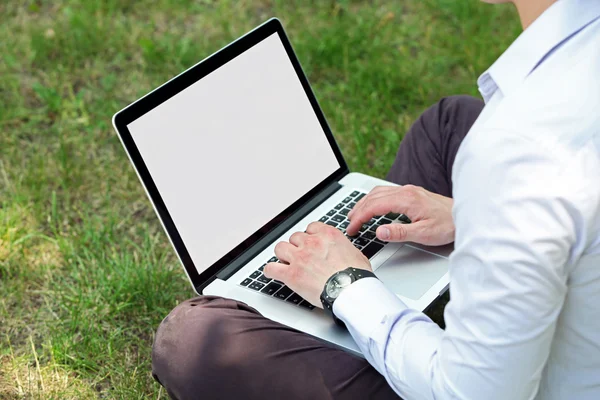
(86, 273)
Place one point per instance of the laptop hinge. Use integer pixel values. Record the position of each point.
(273, 235)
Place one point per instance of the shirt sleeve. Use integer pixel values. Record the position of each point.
(379, 322)
(515, 233)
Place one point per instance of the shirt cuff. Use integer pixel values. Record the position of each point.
(366, 304)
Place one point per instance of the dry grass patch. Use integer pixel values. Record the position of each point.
(23, 377)
(23, 248)
(16, 224)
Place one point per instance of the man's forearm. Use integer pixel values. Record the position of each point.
(399, 342)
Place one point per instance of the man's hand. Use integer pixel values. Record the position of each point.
(430, 213)
(312, 258)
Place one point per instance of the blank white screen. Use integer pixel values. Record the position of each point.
(234, 150)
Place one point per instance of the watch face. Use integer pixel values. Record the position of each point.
(337, 283)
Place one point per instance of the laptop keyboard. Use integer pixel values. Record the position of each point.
(365, 241)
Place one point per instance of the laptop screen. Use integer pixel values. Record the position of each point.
(233, 150)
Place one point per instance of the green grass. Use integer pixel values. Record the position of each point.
(86, 273)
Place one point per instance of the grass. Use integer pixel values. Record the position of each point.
(86, 273)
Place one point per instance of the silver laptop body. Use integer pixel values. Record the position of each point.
(235, 155)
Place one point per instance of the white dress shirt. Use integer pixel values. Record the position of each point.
(524, 319)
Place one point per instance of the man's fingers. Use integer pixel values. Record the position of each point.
(375, 206)
(366, 201)
(382, 188)
(276, 271)
(283, 251)
(377, 191)
(315, 227)
(298, 238)
(397, 232)
(358, 205)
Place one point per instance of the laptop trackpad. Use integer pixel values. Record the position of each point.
(410, 272)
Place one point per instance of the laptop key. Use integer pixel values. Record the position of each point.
(404, 219)
(372, 249)
(263, 279)
(368, 235)
(361, 241)
(331, 213)
(385, 221)
(344, 224)
(255, 274)
(357, 246)
(339, 206)
(262, 267)
(347, 200)
(338, 218)
(256, 285)
(283, 293)
(392, 215)
(295, 298)
(360, 196)
(306, 304)
(323, 218)
(331, 223)
(354, 194)
(351, 205)
(273, 259)
(246, 282)
(344, 212)
(271, 288)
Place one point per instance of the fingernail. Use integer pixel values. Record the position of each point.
(384, 233)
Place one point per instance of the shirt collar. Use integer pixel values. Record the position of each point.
(557, 24)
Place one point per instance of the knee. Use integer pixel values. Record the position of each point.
(184, 354)
(174, 338)
(445, 122)
(459, 102)
(453, 111)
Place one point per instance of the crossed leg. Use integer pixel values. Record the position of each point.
(216, 348)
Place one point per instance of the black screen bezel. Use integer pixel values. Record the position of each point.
(180, 83)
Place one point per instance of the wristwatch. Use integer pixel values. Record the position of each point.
(337, 283)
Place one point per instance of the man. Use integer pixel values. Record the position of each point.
(524, 319)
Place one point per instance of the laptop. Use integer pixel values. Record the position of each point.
(235, 155)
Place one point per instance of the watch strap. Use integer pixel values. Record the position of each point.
(356, 274)
(361, 273)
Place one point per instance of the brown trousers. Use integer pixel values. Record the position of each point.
(216, 348)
